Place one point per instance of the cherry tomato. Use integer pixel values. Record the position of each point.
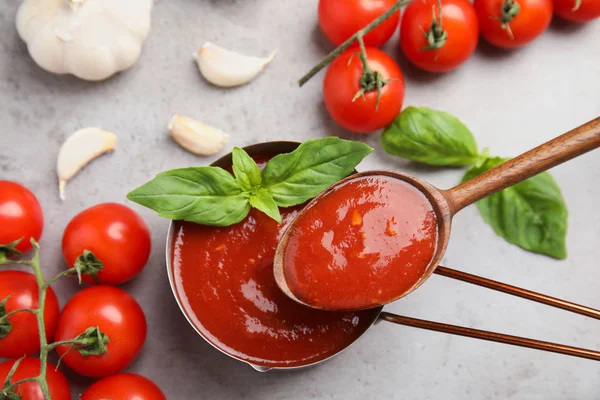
(525, 20)
(117, 315)
(124, 387)
(451, 42)
(340, 19)
(30, 368)
(116, 235)
(23, 338)
(577, 10)
(342, 83)
(21, 215)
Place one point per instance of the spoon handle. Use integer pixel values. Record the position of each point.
(550, 154)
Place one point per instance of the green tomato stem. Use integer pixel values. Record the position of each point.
(71, 342)
(43, 287)
(509, 10)
(363, 55)
(31, 310)
(436, 36)
(17, 383)
(65, 273)
(340, 49)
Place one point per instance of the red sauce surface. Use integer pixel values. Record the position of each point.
(362, 245)
(224, 280)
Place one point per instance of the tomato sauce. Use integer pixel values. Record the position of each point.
(224, 280)
(361, 245)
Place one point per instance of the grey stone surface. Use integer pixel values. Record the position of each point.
(512, 101)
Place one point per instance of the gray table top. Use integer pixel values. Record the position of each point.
(512, 101)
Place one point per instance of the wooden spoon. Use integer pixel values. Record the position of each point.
(446, 203)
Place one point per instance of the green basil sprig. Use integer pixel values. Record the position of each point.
(431, 137)
(213, 196)
(531, 214)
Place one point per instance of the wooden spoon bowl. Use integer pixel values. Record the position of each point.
(433, 194)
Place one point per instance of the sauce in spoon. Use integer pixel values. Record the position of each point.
(361, 244)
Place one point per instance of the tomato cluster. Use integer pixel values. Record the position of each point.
(435, 35)
(113, 236)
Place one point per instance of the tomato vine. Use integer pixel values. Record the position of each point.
(90, 342)
(358, 36)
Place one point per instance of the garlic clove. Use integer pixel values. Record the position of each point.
(78, 150)
(196, 137)
(227, 68)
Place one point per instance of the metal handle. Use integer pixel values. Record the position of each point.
(500, 337)
(519, 292)
(491, 336)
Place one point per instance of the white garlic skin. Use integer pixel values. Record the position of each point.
(91, 39)
(78, 150)
(196, 137)
(227, 68)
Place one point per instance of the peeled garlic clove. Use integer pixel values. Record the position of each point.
(227, 68)
(197, 137)
(78, 150)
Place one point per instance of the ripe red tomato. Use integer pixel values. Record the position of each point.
(459, 21)
(342, 82)
(116, 235)
(21, 215)
(577, 10)
(24, 339)
(124, 387)
(30, 368)
(340, 19)
(531, 20)
(117, 315)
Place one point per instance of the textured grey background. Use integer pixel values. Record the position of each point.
(512, 101)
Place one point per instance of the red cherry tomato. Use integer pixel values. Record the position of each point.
(459, 22)
(116, 235)
(340, 19)
(577, 10)
(531, 20)
(23, 338)
(117, 315)
(342, 83)
(21, 216)
(124, 387)
(30, 368)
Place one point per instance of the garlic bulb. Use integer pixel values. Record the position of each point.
(78, 150)
(227, 68)
(91, 39)
(197, 137)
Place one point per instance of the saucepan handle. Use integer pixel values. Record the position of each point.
(550, 154)
(500, 337)
(490, 336)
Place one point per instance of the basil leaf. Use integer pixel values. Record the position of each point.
(265, 203)
(431, 137)
(531, 214)
(204, 195)
(247, 173)
(293, 178)
(212, 196)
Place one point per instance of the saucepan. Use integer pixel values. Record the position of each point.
(378, 314)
